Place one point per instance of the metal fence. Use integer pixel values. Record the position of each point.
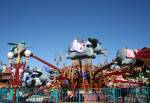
(104, 95)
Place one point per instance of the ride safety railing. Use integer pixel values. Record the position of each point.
(103, 95)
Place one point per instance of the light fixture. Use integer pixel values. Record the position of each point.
(27, 53)
(10, 55)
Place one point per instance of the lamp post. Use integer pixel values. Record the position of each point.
(17, 66)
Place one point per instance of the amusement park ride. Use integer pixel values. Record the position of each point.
(129, 68)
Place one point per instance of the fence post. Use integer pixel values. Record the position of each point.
(35, 95)
(79, 96)
(90, 95)
(114, 95)
(147, 94)
(17, 94)
(57, 97)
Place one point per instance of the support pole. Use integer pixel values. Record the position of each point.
(43, 61)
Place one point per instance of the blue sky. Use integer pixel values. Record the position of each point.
(49, 26)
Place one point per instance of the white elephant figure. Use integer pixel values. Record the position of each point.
(82, 50)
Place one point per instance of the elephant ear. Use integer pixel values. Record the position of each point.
(98, 49)
(12, 44)
(121, 54)
(1, 63)
(94, 42)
